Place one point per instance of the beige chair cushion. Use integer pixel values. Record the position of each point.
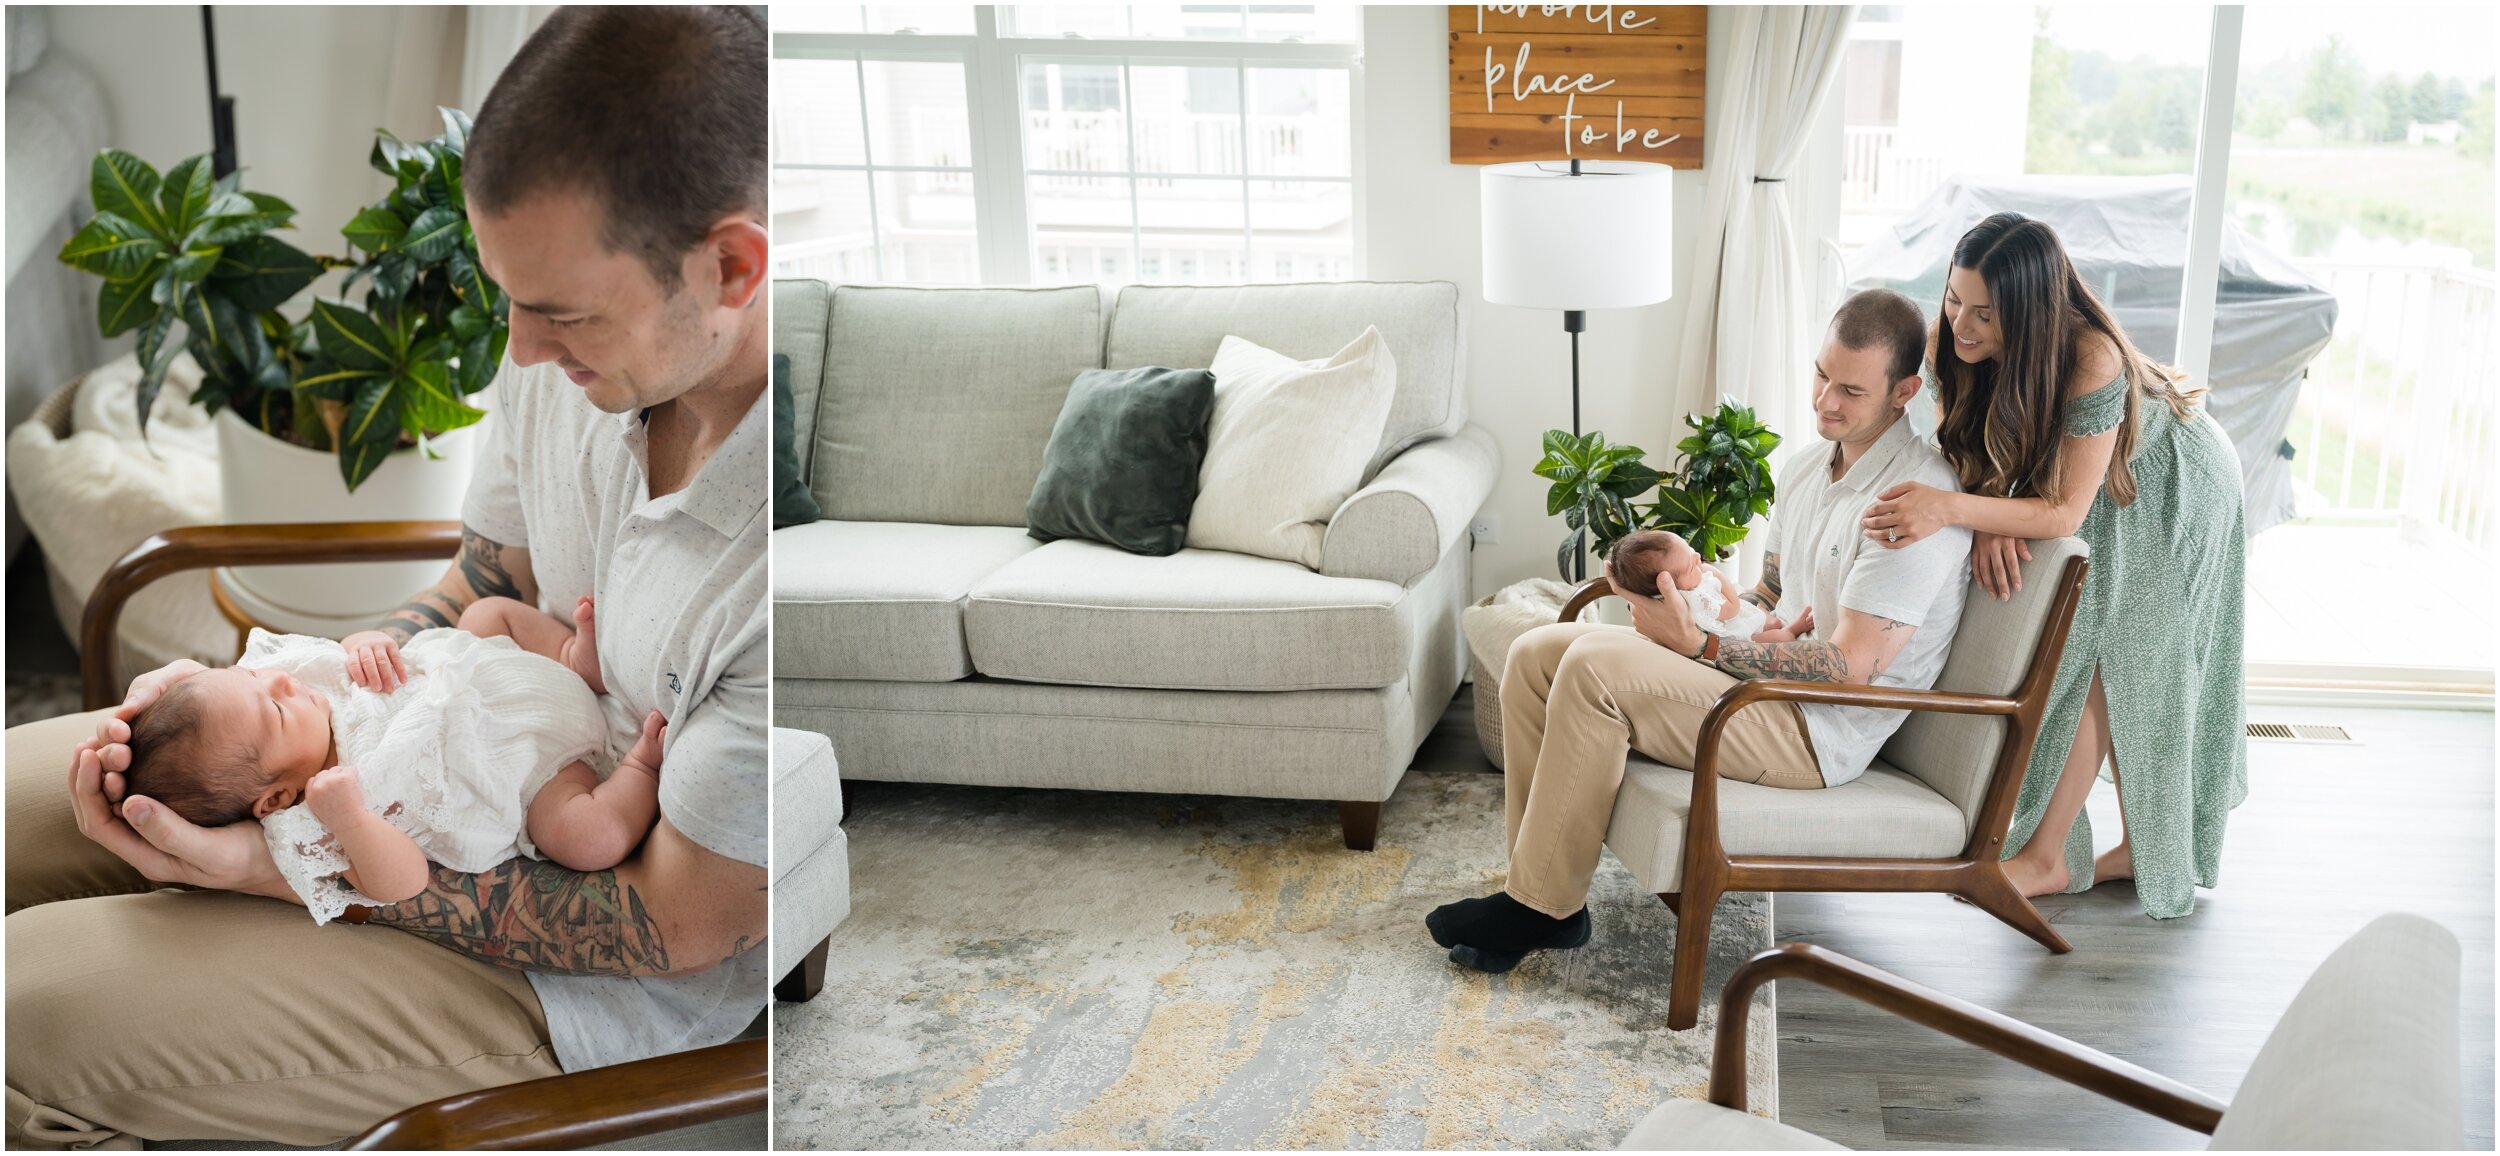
(1953, 753)
(937, 402)
(1880, 813)
(1083, 613)
(880, 600)
(1701, 1126)
(2366, 1057)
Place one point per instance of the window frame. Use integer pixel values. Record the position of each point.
(993, 99)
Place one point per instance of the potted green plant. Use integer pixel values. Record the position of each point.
(1594, 483)
(1723, 483)
(352, 412)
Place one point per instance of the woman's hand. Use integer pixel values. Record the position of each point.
(1665, 621)
(1996, 563)
(1907, 513)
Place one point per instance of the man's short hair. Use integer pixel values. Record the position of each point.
(1872, 317)
(660, 114)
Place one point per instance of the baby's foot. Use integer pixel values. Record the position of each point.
(646, 752)
(582, 651)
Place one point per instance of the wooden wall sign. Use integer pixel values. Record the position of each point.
(1596, 81)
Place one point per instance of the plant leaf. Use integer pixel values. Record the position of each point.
(375, 229)
(111, 247)
(431, 405)
(185, 194)
(351, 338)
(156, 355)
(370, 432)
(434, 234)
(125, 305)
(124, 185)
(455, 129)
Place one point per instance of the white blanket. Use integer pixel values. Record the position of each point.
(1517, 609)
(90, 497)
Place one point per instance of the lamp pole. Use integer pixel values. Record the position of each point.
(220, 106)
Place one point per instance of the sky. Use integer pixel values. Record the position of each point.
(2386, 37)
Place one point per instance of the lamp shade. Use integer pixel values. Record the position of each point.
(1604, 239)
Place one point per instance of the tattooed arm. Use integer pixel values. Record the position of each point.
(1766, 593)
(1864, 645)
(485, 568)
(675, 908)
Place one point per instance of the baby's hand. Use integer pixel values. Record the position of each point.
(1774, 631)
(373, 661)
(335, 796)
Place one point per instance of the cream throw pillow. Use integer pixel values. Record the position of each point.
(1287, 445)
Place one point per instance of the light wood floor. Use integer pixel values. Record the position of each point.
(2329, 838)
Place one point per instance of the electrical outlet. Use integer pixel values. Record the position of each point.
(1486, 529)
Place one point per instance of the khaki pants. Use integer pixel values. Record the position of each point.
(1575, 697)
(169, 1014)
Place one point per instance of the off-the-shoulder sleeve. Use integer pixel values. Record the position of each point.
(2099, 411)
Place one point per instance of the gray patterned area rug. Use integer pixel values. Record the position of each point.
(1064, 969)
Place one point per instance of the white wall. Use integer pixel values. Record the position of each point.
(310, 86)
(1420, 223)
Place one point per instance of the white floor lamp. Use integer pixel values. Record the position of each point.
(1575, 236)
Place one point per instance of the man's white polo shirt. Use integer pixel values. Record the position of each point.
(684, 625)
(1826, 562)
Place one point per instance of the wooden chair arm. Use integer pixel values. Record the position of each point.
(580, 1109)
(1995, 1031)
(275, 544)
(1582, 598)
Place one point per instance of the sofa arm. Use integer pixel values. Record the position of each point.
(1413, 511)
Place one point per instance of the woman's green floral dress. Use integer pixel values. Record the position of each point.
(2162, 617)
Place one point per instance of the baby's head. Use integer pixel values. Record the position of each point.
(227, 745)
(1641, 558)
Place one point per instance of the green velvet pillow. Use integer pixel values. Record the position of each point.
(792, 504)
(1122, 464)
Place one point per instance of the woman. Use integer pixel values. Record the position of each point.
(2057, 425)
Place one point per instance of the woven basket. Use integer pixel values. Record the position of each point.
(1488, 705)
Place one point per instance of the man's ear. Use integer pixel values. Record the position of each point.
(739, 251)
(277, 798)
(1905, 389)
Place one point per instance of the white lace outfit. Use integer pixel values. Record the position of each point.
(452, 758)
(1707, 602)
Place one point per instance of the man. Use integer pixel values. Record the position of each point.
(616, 181)
(1576, 696)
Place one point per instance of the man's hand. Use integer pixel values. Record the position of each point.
(111, 744)
(373, 661)
(164, 846)
(1996, 563)
(1665, 621)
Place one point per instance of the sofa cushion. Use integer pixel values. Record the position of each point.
(792, 504)
(1701, 1126)
(801, 310)
(1288, 445)
(1122, 465)
(1086, 614)
(1882, 812)
(937, 402)
(1183, 325)
(880, 600)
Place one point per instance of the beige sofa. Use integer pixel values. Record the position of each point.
(922, 630)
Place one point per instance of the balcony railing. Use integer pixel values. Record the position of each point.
(1878, 176)
(1202, 143)
(2395, 421)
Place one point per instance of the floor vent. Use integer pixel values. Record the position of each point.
(2299, 733)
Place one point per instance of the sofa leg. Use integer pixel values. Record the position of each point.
(808, 978)
(847, 805)
(1361, 822)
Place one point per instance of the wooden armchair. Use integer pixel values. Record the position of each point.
(2364, 1058)
(1929, 815)
(578, 1109)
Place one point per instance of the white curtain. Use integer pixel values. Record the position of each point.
(494, 34)
(1746, 322)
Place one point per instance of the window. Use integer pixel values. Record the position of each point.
(1009, 144)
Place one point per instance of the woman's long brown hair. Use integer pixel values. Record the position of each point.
(2002, 423)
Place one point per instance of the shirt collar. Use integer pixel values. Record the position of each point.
(725, 494)
(1877, 462)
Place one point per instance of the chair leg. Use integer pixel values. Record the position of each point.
(1993, 893)
(808, 978)
(1692, 955)
(1362, 824)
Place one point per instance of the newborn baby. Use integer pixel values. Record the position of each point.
(1640, 560)
(459, 749)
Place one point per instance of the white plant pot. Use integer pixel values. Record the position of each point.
(264, 479)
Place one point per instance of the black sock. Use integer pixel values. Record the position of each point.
(1500, 923)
